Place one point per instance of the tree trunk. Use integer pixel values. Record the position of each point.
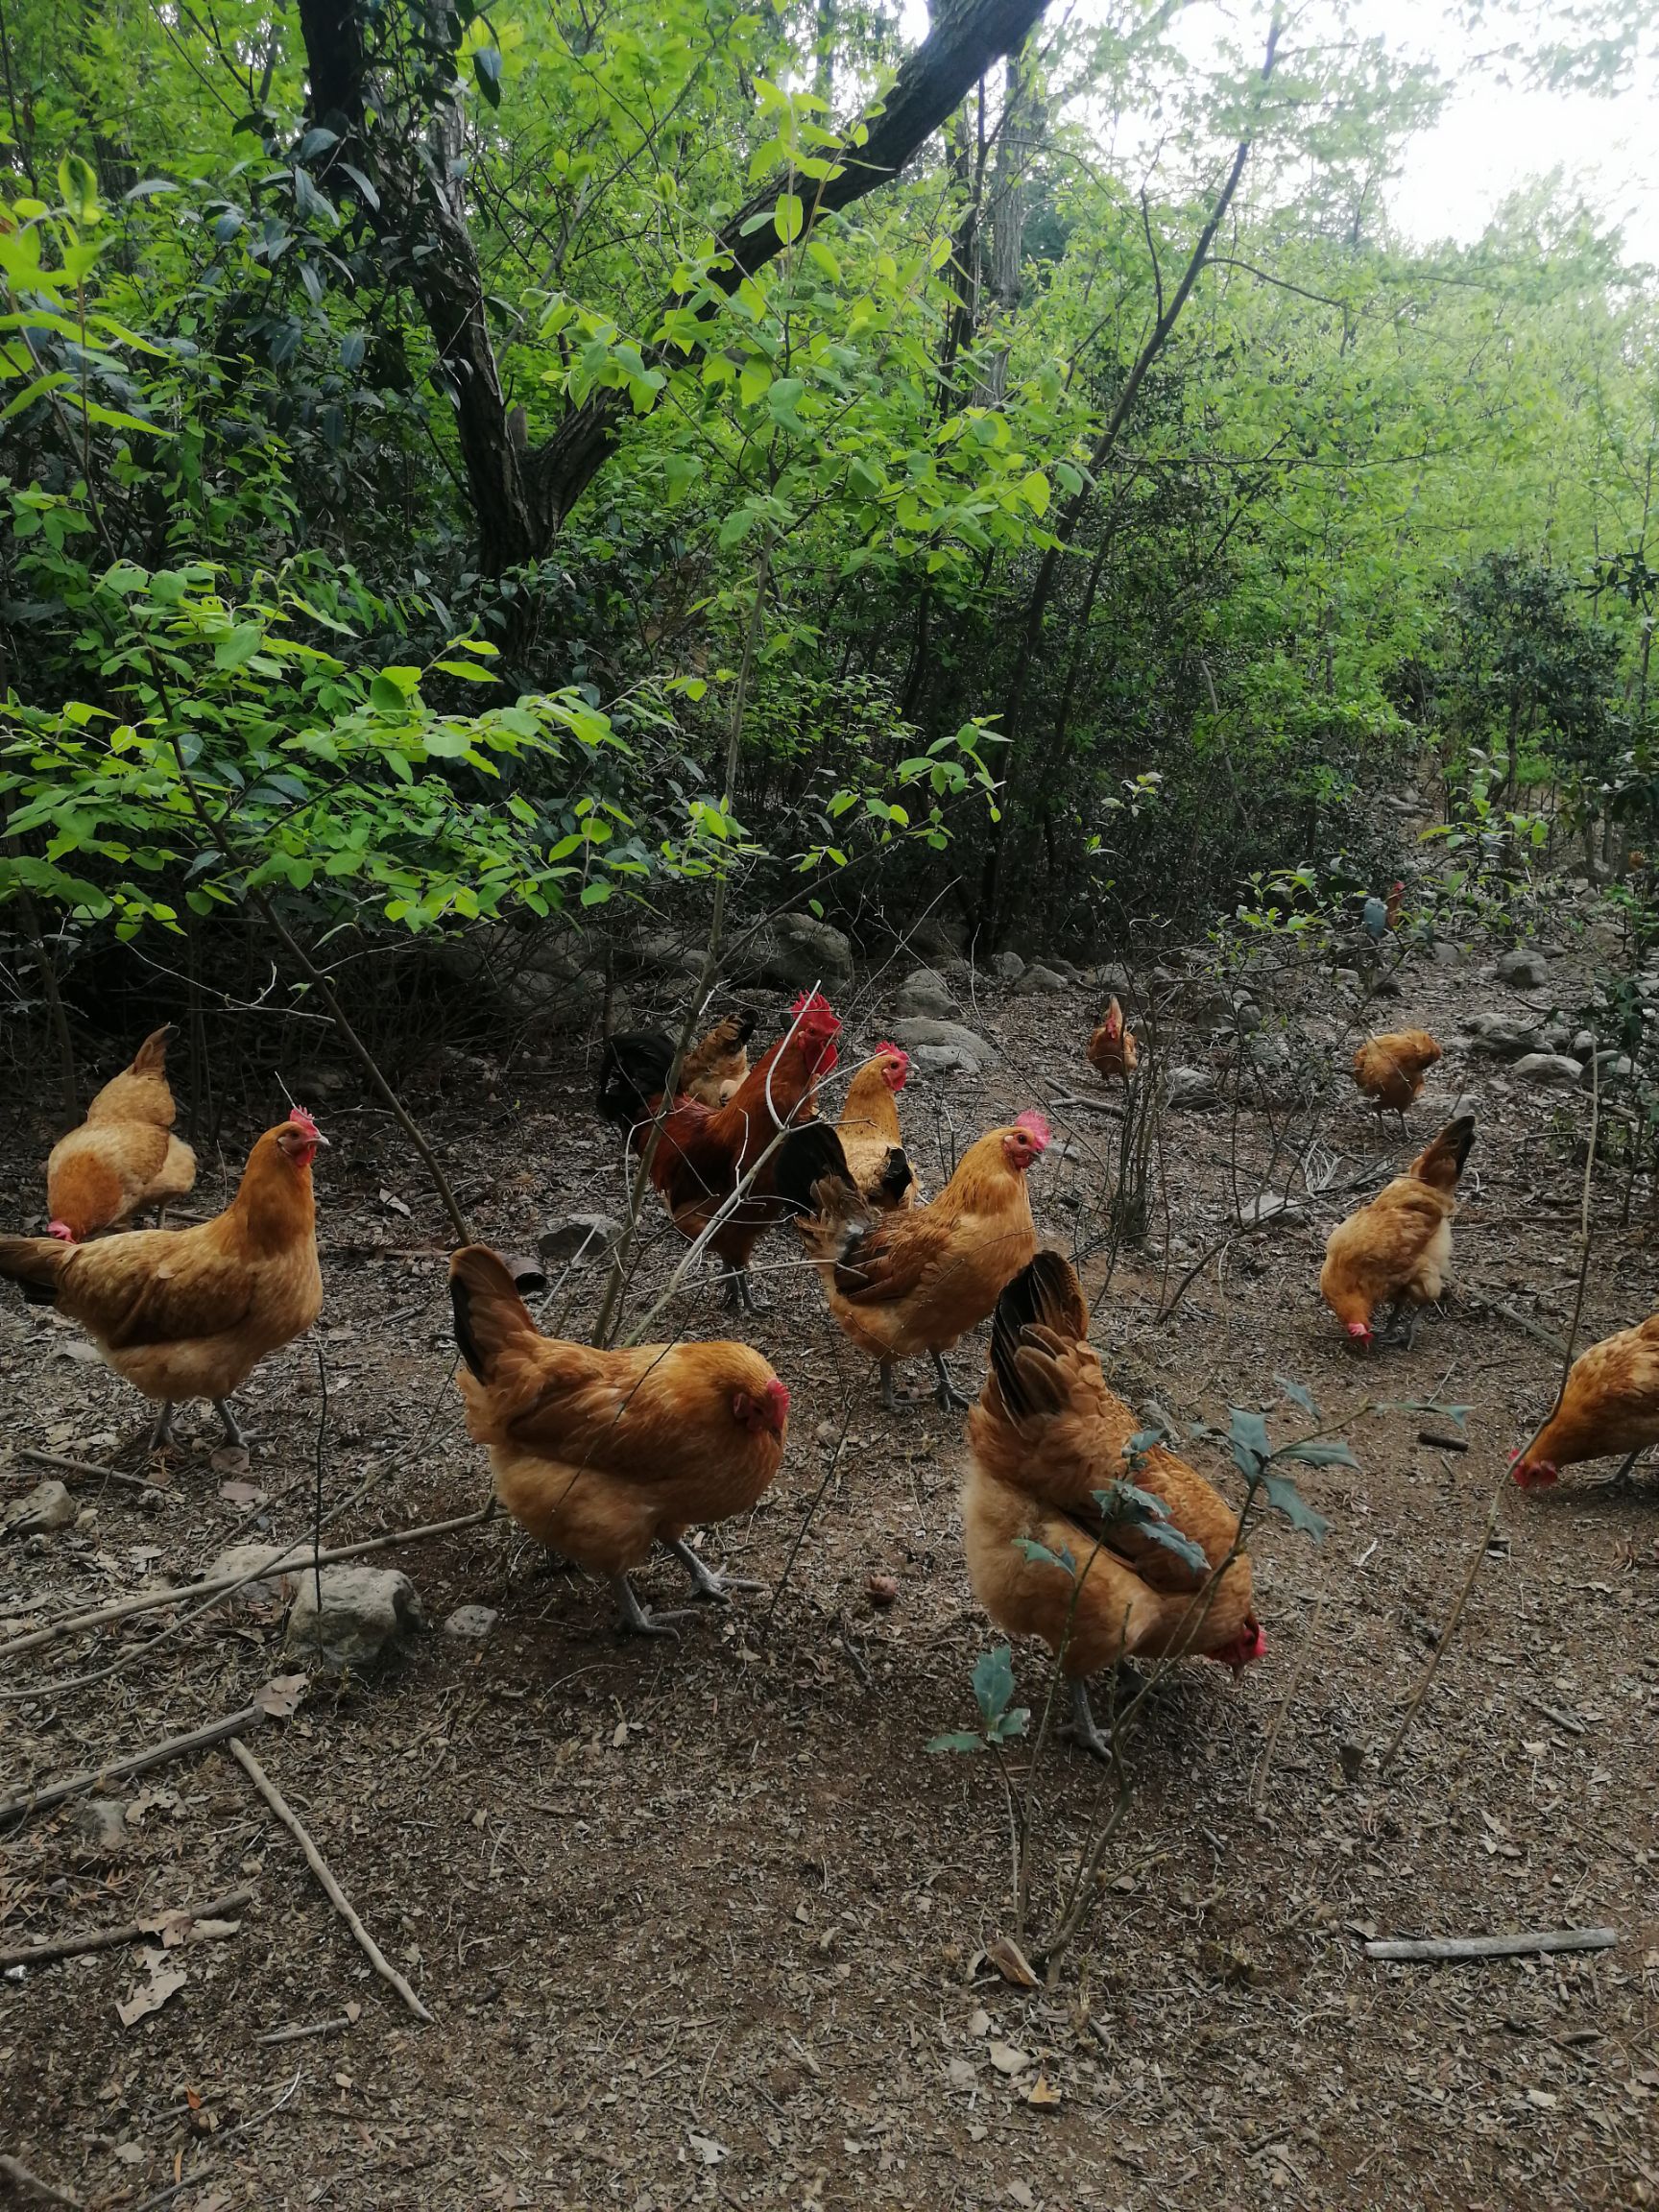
(519, 500)
(1016, 142)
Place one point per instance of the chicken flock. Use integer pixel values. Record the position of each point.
(1080, 1527)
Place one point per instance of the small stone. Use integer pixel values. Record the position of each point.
(471, 1624)
(1387, 987)
(1349, 978)
(1193, 1087)
(939, 1046)
(1503, 1039)
(1549, 1067)
(1009, 2058)
(582, 1239)
(46, 1507)
(1270, 1206)
(99, 1824)
(365, 1613)
(1611, 1068)
(1584, 1044)
(1525, 971)
(1008, 967)
(1042, 981)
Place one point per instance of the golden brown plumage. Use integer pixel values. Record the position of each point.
(717, 1063)
(869, 1131)
(1398, 1248)
(124, 1156)
(1610, 1405)
(905, 1283)
(190, 1313)
(1046, 1436)
(602, 1454)
(1112, 1051)
(1389, 1068)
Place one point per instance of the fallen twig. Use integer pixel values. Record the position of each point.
(111, 1939)
(296, 2034)
(331, 1889)
(13, 2169)
(136, 1763)
(89, 1470)
(294, 1562)
(1529, 1327)
(227, 2136)
(1442, 1443)
(1493, 1946)
(1555, 1712)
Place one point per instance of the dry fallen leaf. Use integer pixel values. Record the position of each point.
(961, 2072)
(1041, 2092)
(149, 1996)
(705, 2149)
(1011, 1963)
(242, 1494)
(230, 1460)
(389, 1199)
(620, 1736)
(1008, 2058)
(282, 1695)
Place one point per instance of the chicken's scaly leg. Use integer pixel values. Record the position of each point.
(161, 1433)
(949, 1398)
(889, 1398)
(235, 1433)
(741, 1295)
(1082, 1727)
(704, 1582)
(635, 1619)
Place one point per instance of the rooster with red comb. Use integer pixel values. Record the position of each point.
(715, 1166)
(904, 1283)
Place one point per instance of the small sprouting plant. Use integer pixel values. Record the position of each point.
(1001, 1720)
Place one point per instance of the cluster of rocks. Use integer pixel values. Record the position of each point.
(341, 1617)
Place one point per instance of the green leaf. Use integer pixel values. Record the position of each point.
(1284, 1498)
(1317, 1454)
(993, 1681)
(78, 182)
(1247, 1435)
(1297, 1396)
(487, 70)
(789, 217)
(466, 672)
(1039, 1554)
(595, 894)
(957, 1739)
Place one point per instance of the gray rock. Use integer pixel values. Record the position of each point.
(471, 1624)
(365, 1613)
(1113, 981)
(1548, 1068)
(794, 952)
(1007, 967)
(1348, 978)
(249, 1559)
(46, 1507)
(584, 1237)
(1526, 971)
(1193, 1087)
(1584, 1044)
(1387, 987)
(1269, 1051)
(929, 1040)
(1446, 953)
(1556, 1036)
(1501, 1038)
(555, 974)
(1611, 1068)
(924, 996)
(1040, 981)
(100, 1826)
(1271, 1206)
(936, 939)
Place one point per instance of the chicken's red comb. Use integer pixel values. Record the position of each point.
(1036, 1127)
(815, 1002)
(302, 1119)
(897, 1051)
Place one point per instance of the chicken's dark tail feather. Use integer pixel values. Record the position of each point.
(1047, 1296)
(633, 1070)
(808, 1157)
(896, 1175)
(488, 1306)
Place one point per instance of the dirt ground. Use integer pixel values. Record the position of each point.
(705, 1923)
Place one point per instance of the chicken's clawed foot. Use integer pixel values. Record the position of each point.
(635, 1619)
(161, 1432)
(234, 1432)
(1083, 1729)
(704, 1582)
(946, 1396)
(1401, 1326)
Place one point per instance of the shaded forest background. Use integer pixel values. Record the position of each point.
(466, 469)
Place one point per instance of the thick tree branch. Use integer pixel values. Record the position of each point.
(520, 498)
